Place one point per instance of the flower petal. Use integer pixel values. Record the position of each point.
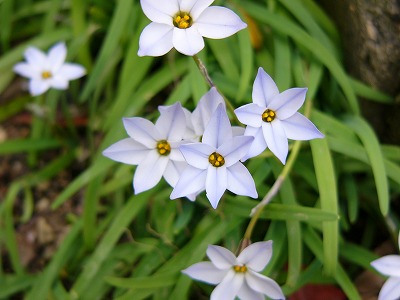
(218, 22)
(221, 257)
(127, 151)
(160, 12)
(187, 41)
(172, 123)
(35, 57)
(205, 108)
(149, 172)
(240, 181)
(197, 154)
(56, 56)
(26, 70)
(287, 103)
(259, 144)
(250, 114)
(155, 40)
(229, 287)
(390, 289)
(38, 86)
(256, 256)
(388, 265)
(264, 89)
(191, 181)
(216, 183)
(277, 142)
(298, 127)
(218, 129)
(195, 7)
(206, 272)
(173, 171)
(59, 82)
(264, 285)
(246, 293)
(71, 71)
(234, 149)
(238, 130)
(142, 130)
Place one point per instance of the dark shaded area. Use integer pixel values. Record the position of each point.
(370, 32)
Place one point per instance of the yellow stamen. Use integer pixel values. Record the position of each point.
(46, 75)
(182, 20)
(268, 115)
(216, 159)
(240, 269)
(163, 148)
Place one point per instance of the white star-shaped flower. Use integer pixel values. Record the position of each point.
(214, 164)
(183, 24)
(154, 148)
(272, 118)
(389, 265)
(48, 71)
(237, 276)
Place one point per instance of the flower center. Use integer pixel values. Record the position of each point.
(163, 148)
(46, 75)
(216, 159)
(268, 115)
(240, 269)
(182, 20)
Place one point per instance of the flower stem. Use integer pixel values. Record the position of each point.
(256, 211)
(210, 82)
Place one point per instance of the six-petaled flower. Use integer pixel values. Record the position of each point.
(48, 71)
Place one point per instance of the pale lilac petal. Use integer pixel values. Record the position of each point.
(221, 257)
(71, 71)
(142, 130)
(287, 103)
(191, 181)
(246, 293)
(229, 287)
(277, 142)
(197, 154)
(235, 149)
(27, 70)
(187, 41)
(238, 130)
(216, 183)
(256, 256)
(173, 171)
(58, 82)
(175, 153)
(155, 40)
(390, 289)
(218, 22)
(259, 144)
(264, 89)
(149, 172)
(56, 56)
(205, 108)
(399, 239)
(160, 12)
(206, 272)
(195, 7)
(240, 181)
(38, 86)
(298, 127)
(172, 123)
(127, 151)
(388, 265)
(35, 57)
(218, 129)
(264, 285)
(250, 114)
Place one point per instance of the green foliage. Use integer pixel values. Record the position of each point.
(126, 246)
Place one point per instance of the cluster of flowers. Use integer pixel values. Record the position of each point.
(201, 150)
